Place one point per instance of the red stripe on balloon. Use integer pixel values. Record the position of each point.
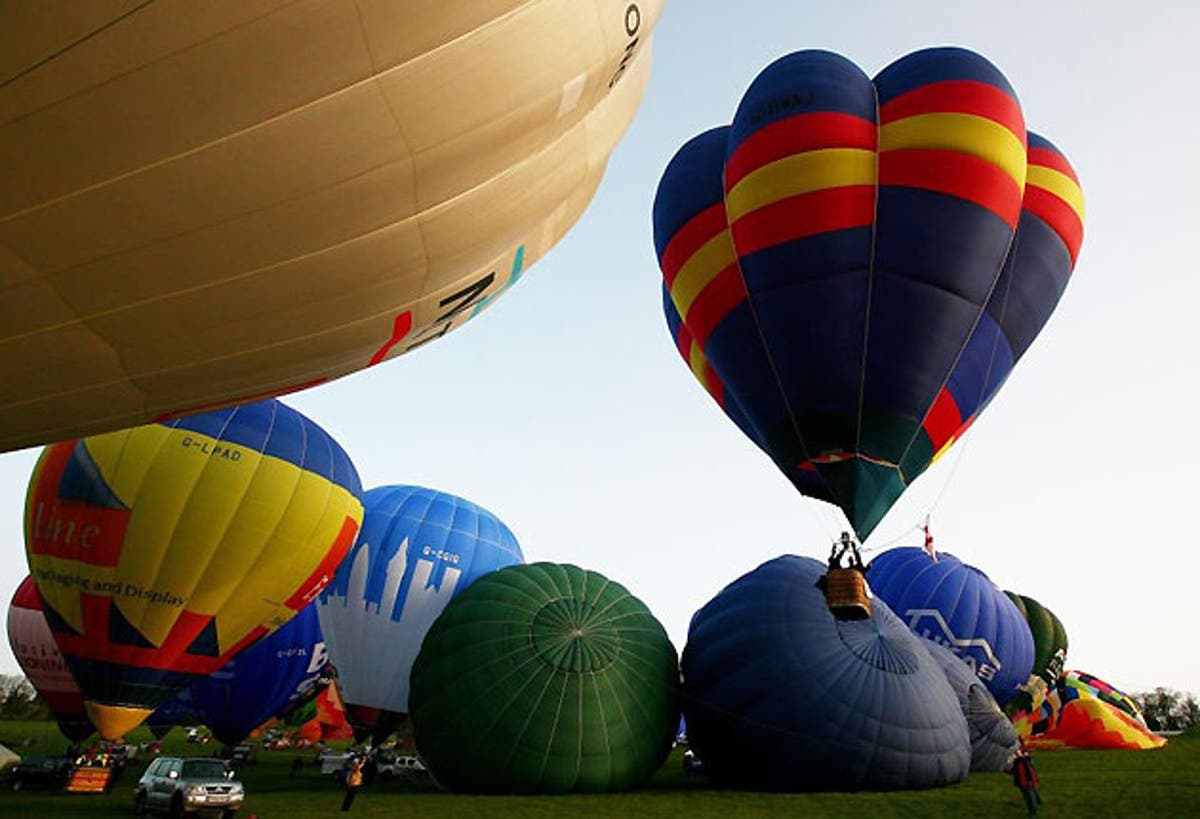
(694, 234)
(1050, 158)
(955, 174)
(805, 215)
(957, 97)
(1060, 216)
(719, 297)
(796, 135)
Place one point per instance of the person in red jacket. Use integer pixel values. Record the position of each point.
(1025, 777)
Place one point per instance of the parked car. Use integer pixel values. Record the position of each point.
(181, 786)
(40, 772)
(244, 754)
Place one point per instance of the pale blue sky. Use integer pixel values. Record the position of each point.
(565, 409)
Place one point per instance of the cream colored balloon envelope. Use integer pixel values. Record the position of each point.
(204, 204)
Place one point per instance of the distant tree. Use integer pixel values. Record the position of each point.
(20, 700)
(1168, 710)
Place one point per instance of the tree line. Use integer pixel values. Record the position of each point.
(1165, 709)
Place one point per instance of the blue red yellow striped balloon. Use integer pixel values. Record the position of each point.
(162, 551)
(861, 262)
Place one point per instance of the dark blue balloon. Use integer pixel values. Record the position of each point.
(958, 606)
(778, 694)
(274, 675)
(993, 736)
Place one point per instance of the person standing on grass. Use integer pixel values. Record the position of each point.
(354, 781)
(1025, 777)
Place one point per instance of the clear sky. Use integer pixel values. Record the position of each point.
(565, 409)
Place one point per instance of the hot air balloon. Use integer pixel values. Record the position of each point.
(780, 694)
(162, 551)
(993, 737)
(957, 605)
(418, 548)
(205, 206)
(1086, 712)
(545, 678)
(857, 264)
(1049, 650)
(279, 672)
(33, 645)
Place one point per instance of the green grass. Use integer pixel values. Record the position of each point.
(1125, 784)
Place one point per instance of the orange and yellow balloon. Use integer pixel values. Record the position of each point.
(162, 551)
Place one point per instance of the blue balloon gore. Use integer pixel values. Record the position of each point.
(780, 695)
(957, 605)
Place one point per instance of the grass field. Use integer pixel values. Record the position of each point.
(1161, 784)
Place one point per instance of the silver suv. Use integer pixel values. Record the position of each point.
(182, 786)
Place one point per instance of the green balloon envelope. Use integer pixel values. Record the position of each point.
(544, 678)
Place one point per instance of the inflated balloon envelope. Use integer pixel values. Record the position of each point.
(853, 267)
(33, 645)
(162, 551)
(780, 694)
(205, 204)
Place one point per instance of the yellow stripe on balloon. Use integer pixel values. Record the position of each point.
(1059, 184)
(800, 173)
(701, 268)
(698, 363)
(966, 133)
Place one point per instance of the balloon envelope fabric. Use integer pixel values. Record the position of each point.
(33, 646)
(1049, 646)
(954, 604)
(993, 737)
(858, 264)
(160, 552)
(418, 548)
(1086, 712)
(778, 694)
(306, 189)
(545, 678)
(278, 672)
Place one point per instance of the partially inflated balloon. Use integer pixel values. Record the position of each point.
(279, 672)
(545, 678)
(993, 737)
(33, 645)
(418, 548)
(1087, 712)
(779, 694)
(1049, 648)
(861, 262)
(205, 204)
(958, 606)
(161, 552)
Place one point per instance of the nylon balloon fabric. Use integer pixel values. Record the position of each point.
(854, 266)
(279, 672)
(993, 737)
(780, 695)
(209, 204)
(34, 648)
(162, 551)
(418, 548)
(957, 605)
(545, 678)
(1049, 649)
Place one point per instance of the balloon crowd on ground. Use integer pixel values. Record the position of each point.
(851, 268)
